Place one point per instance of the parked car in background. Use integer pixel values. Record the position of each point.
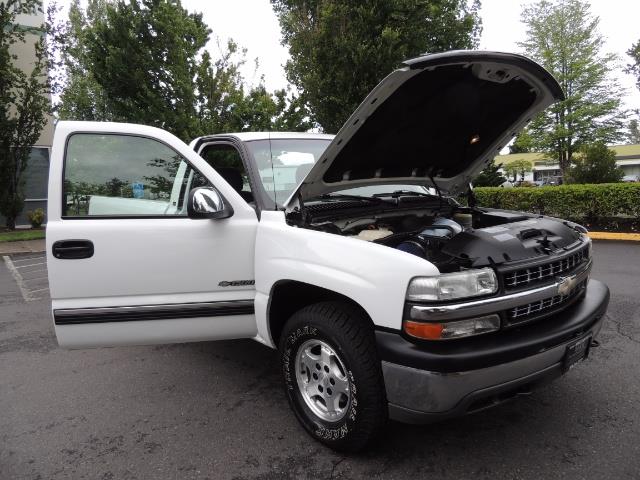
(384, 298)
(631, 178)
(551, 181)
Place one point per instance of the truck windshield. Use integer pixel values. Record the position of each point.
(283, 163)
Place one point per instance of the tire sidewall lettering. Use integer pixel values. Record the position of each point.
(323, 431)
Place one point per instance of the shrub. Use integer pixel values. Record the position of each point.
(36, 217)
(596, 163)
(590, 203)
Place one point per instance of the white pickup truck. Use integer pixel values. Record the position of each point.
(385, 297)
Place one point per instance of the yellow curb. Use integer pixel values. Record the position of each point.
(629, 237)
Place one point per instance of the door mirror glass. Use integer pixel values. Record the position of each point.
(206, 202)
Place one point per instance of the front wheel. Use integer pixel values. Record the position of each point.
(332, 375)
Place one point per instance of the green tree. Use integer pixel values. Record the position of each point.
(563, 37)
(341, 49)
(81, 95)
(634, 68)
(633, 137)
(24, 105)
(145, 61)
(490, 176)
(518, 167)
(143, 54)
(523, 143)
(225, 104)
(596, 163)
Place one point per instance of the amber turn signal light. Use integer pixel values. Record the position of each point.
(428, 331)
(451, 330)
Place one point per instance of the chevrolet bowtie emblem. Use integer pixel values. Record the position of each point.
(566, 285)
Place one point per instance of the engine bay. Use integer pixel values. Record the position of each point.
(450, 236)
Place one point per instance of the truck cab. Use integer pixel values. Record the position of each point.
(350, 254)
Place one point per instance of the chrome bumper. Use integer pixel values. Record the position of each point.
(481, 307)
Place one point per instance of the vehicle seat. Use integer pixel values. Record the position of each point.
(234, 178)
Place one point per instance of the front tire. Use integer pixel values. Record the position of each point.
(332, 375)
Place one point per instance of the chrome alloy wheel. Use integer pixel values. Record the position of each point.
(322, 380)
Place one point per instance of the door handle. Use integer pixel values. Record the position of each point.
(72, 249)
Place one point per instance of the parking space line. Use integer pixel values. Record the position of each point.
(31, 265)
(25, 280)
(18, 278)
(27, 259)
(39, 290)
(36, 271)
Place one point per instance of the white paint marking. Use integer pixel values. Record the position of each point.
(36, 271)
(39, 290)
(27, 259)
(18, 278)
(31, 265)
(32, 279)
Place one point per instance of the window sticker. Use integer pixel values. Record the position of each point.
(138, 190)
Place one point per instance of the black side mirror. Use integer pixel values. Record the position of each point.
(206, 202)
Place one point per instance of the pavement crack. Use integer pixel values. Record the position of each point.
(335, 465)
(619, 325)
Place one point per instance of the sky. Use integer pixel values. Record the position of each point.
(253, 25)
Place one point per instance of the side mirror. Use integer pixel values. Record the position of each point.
(206, 202)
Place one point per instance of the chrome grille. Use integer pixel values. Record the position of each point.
(535, 308)
(544, 271)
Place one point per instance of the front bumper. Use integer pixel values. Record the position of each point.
(428, 383)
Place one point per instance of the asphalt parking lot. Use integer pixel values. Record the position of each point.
(216, 409)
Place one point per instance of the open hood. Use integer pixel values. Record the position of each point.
(435, 122)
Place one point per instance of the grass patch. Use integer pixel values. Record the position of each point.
(17, 235)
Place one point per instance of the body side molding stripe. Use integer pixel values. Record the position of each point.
(73, 316)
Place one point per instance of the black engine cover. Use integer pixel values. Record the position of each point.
(509, 242)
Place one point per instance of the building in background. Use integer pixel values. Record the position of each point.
(37, 172)
(548, 171)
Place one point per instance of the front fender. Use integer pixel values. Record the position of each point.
(374, 276)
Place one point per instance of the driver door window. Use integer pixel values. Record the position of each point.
(125, 175)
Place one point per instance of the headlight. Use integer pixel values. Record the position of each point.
(453, 286)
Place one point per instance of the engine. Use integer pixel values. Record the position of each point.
(454, 238)
(424, 237)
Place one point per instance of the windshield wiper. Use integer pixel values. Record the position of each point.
(342, 196)
(403, 193)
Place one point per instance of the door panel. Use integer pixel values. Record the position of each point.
(155, 275)
(148, 332)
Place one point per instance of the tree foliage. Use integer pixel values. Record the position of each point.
(563, 37)
(633, 137)
(596, 163)
(146, 61)
(341, 49)
(24, 105)
(517, 167)
(634, 67)
(490, 176)
(523, 143)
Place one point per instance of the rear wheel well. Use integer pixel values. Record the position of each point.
(289, 296)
